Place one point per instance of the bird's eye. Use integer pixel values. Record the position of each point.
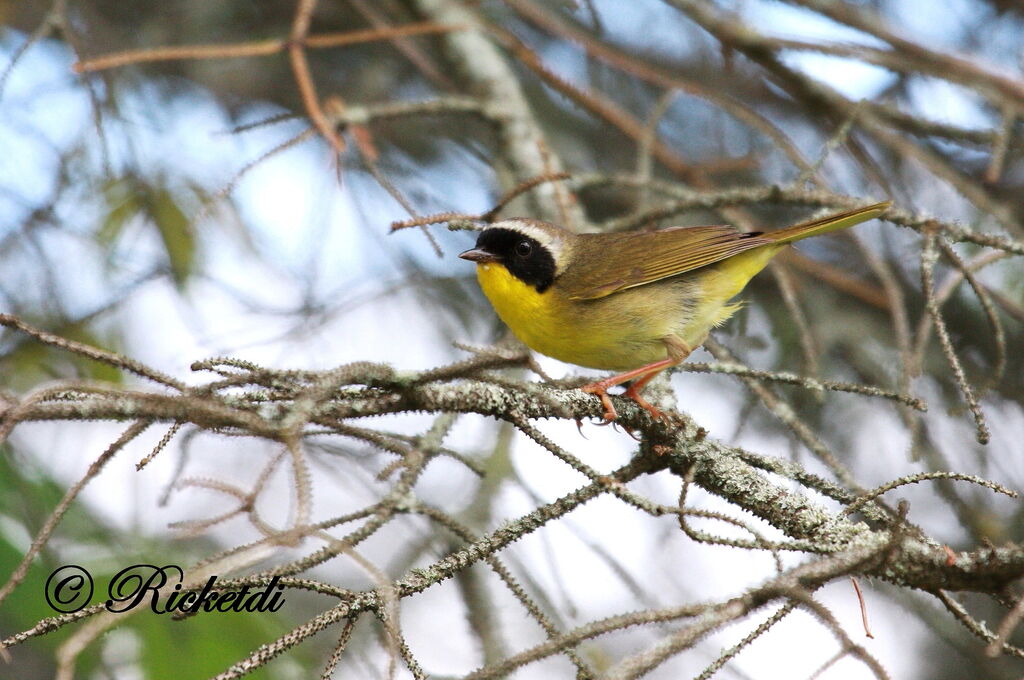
(524, 248)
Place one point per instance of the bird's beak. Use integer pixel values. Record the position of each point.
(478, 255)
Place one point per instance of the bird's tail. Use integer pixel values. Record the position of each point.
(824, 225)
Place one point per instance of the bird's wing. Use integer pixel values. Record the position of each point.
(638, 258)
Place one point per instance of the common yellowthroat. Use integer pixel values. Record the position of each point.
(637, 302)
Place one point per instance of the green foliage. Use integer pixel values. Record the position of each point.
(197, 647)
(27, 362)
(130, 197)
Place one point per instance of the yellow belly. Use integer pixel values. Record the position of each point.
(626, 329)
(612, 333)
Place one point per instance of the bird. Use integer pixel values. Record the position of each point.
(633, 302)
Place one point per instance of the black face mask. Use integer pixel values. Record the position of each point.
(522, 255)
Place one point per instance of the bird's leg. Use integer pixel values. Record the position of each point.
(633, 392)
(600, 388)
(677, 351)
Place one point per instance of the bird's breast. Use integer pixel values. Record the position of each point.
(617, 332)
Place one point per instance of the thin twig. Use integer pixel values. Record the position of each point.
(929, 255)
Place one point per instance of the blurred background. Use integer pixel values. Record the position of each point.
(231, 195)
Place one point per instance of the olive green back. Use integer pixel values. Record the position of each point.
(606, 263)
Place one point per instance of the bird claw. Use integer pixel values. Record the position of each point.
(631, 433)
(601, 392)
(655, 412)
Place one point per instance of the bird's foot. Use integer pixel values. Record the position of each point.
(600, 390)
(633, 393)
